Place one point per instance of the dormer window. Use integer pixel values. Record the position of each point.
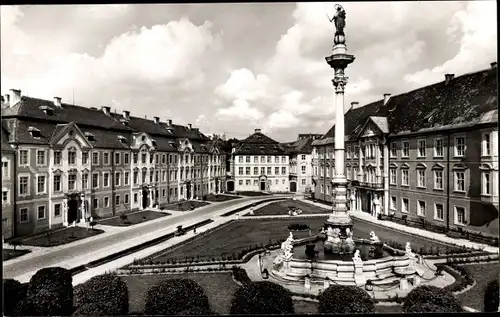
(122, 139)
(35, 133)
(124, 121)
(143, 138)
(47, 110)
(89, 136)
(70, 133)
(154, 143)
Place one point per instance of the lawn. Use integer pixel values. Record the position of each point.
(482, 274)
(248, 193)
(8, 254)
(244, 233)
(310, 307)
(186, 205)
(219, 198)
(62, 236)
(282, 208)
(133, 218)
(219, 287)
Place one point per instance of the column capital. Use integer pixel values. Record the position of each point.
(339, 83)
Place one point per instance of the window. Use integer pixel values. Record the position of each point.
(126, 178)
(438, 180)
(269, 158)
(303, 169)
(421, 178)
(23, 185)
(71, 157)
(348, 152)
(125, 198)
(95, 158)
(136, 198)
(95, 203)
(255, 170)
(405, 178)
(57, 183)
(394, 150)
(283, 159)
(23, 157)
(406, 149)
(151, 159)
(106, 202)
(240, 159)
(117, 179)
(405, 203)
(393, 176)
(40, 212)
(40, 188)
(23, 215)
(438, 147)
(126, 157)
(322, 188)
(151, 176)
(421, 208)
(283, 170)
(135, 157)
(117, 158)
(106, 158)
(460, 146)
(57, 210)
(393, 202)
(143, 158)
(262, 159)
(348, 172)
(71, 181)
(247, 182)
(117, 200)
(303, 181)
(356, 151)
(421, 148)
(136, 177)
(248, 159)
(459, 181)
(460, 215)
(240, 170)
(247, 170)
(57, 157)
(106, 180)
(485, 183)
(5, 197)
(40, 157)
(240, 182)
(303, 157)
(157, 158)
(269, 171)
(95, 180)
(85, 158)
(276, 171)
(157, 176)
(438, 212)
(486, 144)
(262, 170)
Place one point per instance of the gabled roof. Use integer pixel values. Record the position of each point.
(259, 138)
(301, 146)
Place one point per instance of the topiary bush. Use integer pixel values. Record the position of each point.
(106, 288)
(491, 297)
(262, 298)
(339, 299)
(94, 309)
(13, 294)
(195, 311)
(50, 292)
(240, 275)
(426, 308)
(431, 295)
(170, 297)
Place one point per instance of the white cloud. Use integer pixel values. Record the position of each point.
(103, 11)
(240, 109)
(281, 119)
(243, 84)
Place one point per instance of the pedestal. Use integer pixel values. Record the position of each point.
(359, 277)
(65, 211)
(307, 283)
(403, 284)
(416, 281)
(326, 284)
(82, 208)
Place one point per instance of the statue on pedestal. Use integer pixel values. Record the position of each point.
(408, 251)
(356, 258)
(339, 19)
(374, 238)
(376, 205)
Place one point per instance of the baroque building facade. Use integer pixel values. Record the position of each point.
(74, 162)
(429, 154)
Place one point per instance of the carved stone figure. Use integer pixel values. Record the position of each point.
(349, 235)
(339, 19)
(374, 237)
(408, 250)
(356, 258)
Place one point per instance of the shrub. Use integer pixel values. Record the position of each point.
(338, 299)
(491, 297)
(170, 297)
(262, 298)
(50, 292)
(431, 295)
(107, 289)
(93, 224)
(15, 243)
(426, 308)
(13, 294)
(94, 309)
(195, 311)
(240, 275)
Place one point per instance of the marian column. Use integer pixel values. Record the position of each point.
(339, 61)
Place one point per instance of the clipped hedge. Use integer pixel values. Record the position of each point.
(298, 227)
(94, 309)
(262, 298)
(170, 297)
(491, 297)
(195, 311)
(108, 289)
(431, 295)
(426, 308)
(13, 294)
(240, 275)
(339, 299)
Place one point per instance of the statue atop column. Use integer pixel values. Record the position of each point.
(339, 21)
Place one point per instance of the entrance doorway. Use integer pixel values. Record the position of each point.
(262, 185)
(188, 191)
(157, 197)
(230, 186)
(145, 194)
(293, 187)
(216, 185)
(74, 202)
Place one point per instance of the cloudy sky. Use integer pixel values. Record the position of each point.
(231, 68)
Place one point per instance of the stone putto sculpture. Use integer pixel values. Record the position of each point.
(357, 257)
(373, 237)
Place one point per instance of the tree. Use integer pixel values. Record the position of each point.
(107, 289)
(431, 295)
(491, 297)
(94, 309)
(13, 294)
(170, 297)
(340, 299)
(262, 298)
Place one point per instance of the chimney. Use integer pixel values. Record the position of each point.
(157, 120)
(494, 65)
(190, 126)
(7, 98)
(169, 122)
(15, 96)
(106, 110)
(57, 102)
(258, 130)
(354, 104)
(126, 114)
(386, 98)
(448, 78)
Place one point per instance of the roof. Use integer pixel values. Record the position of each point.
(259, 144)
(5, 140)
(464, 100)
(301, 146)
